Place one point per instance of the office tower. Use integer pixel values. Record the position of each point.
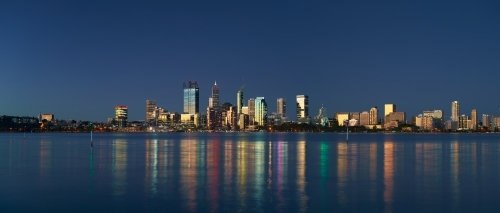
(400, 117)
(191, 97)
(364, 118)
(342, 118)
(473, 115)
(281, 103)
(354, 115)
(150, 110)
(260, 111)
(373, 116)
(251, 111)
(213, 101)
(486, 121)
(455, 110)
(239, 99)
(121, 116)
(302, 107)
(462, 122)
(438, 119)
(389, 108)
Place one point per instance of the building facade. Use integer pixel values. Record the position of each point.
(239, 99)
(260, 111)
(302, 107)
(191, 98)
(389, 108)
(486, 121)
(364, 118)
(281, 107)
(373, 116)
(473, 115)
(121, 116)
(455, 110)
(150, 111)
(400, 117)
(251, 112)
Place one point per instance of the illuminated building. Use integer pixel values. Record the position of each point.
(486, 120)
(373, 116)
(121, 116)
(48, 117)
(473, 114)
(455, 110)
(342, 117)
(400, 117)
(462, 122)
(260, 111)
(389, 108)
(364, 118)
(150, 111)
(191, 98)
(302, 108)
(251, 111)
(281, 105)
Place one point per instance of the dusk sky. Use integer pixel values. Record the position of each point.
(78, 59)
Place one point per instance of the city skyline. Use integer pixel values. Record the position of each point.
(78, 60)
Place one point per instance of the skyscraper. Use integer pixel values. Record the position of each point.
(260, 111)
(281, 103)
(251, 111)
(373, 116)
(213, 101)
(150, 110)
(302, 107)
(389, 108)
(473, 115)
(239, 99)
(486, 121)
(121, 116)
(191, 98)
(455, 111)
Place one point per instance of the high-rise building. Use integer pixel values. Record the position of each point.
(389, 108)
(373, 116)
(455, 111)
(486, 120)
(260, 111)
(400, 117)
(302, 107)
(281, 103)
(191, 98)
(364, 118)
(239, 99)
(463, 121)
(342, 118)
(150, 111)
(473, 115)
(438, 119)
(121, 116)
(213, 101)
(251, 111)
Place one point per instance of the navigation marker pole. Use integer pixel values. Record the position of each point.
(24, 132)
(91, 143)
(347, 127)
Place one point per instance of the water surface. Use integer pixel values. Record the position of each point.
(249, 172)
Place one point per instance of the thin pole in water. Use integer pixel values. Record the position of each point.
(24, 132)
(91, 143)
(347, 130)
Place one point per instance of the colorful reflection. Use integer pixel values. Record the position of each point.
(119, 167)
(151, 179)
(373, 171)
(213, 170)
(260, 170)
(388, 175)
(341, 169)
(301, 176)
(242, 169)
(188, 173)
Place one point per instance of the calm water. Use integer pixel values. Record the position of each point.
(250, 172)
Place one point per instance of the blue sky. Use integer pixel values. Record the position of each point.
(78, 59)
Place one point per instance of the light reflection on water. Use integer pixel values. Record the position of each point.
(257, 172)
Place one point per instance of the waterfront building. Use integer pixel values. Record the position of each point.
(495, 123)
(302, 108)
(121, 116)
(239, 99)
(389, 108)
(260, 111)
(213, 101)
(364, 118)
(451, 125)
(47, 117)
(455, 110)
(214, 118)
(322, 117)
(400, 117)
(462, 122)
(281, 105)
(244, 110)
(354, 115)
(473, 115)
(243, 121)
(150, 111)
(342, 117)
(373, 116)
(438, 119)
(251, 112)
(427, 122)
(418, 120)
(191, 120)
(192, 98)
(486, 121)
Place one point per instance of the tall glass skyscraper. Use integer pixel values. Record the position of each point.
(191, 98)
(121, 116)
(455, 111)
(150, 109)
(281, 103)
(302, 107)
(260, 111)
(251, 111)
(213, 101)
(239, 99)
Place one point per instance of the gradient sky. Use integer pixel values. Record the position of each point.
(78, 59)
